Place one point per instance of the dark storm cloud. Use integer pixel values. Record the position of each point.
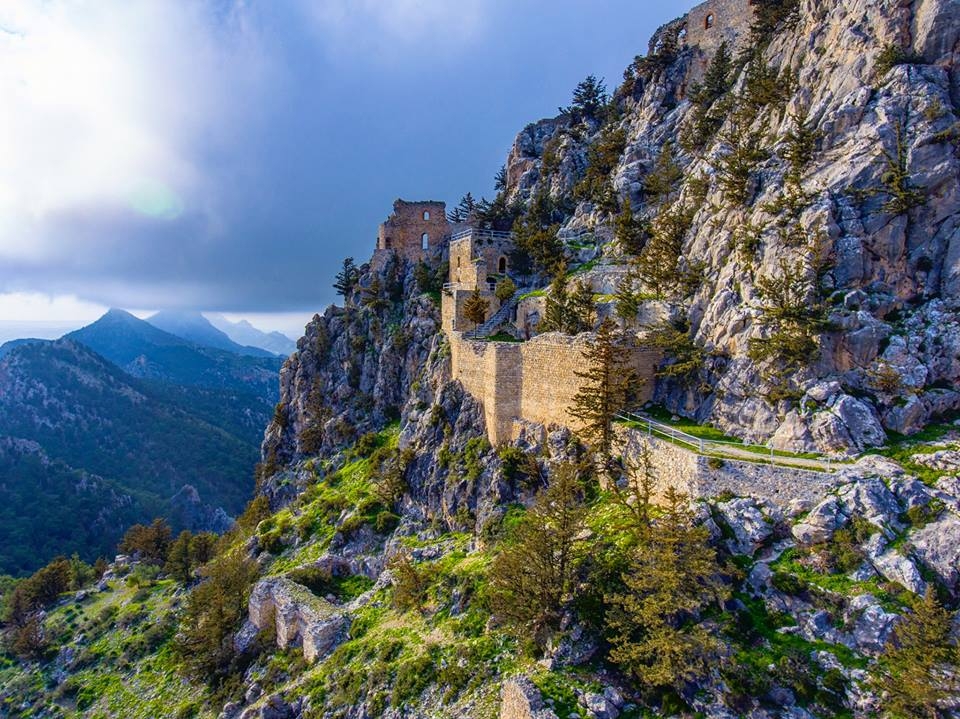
(233, 161)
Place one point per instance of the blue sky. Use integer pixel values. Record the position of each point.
(226, 155)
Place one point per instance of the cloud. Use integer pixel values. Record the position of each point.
(105, 106)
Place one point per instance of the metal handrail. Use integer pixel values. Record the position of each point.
(702, 445)
(477, 232)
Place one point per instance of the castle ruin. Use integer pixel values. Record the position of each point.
(415, 230)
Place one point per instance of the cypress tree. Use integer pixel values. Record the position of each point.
(918, 669)
(346, 279)
(475, 308)
(653, 623)
(608, 384)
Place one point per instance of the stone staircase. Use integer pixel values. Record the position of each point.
(499, 317)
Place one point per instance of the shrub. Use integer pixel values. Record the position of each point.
(893, 55)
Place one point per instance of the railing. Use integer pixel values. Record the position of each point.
(480, 233)
(757, 453)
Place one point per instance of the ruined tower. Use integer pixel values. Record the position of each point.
(415, 230)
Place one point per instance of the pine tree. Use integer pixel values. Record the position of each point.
(659, 263)
(347, 278)
(464, 211)
(663, 178)
(589, 98)
(607, 387)
(654, 623)
(918, 669)
(475, 308)
(581, 309)
(500, 180)
(557, 306)
(630, 231)
(628, 298)
(178, 563)
(533, 575)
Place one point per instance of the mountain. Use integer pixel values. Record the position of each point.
(769, 200)
(142, 350)
(245, 333)
(10, 345)
(104, 448)
(196, 328)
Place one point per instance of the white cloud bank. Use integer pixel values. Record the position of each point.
(105, 104)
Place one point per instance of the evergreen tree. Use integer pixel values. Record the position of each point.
(659, 263)
(533, 575)
(663, 178)
(347, 278)
(589, 99)
(178, 563)
(557, 303)
(628, 298)
(500, 180)
(581, 309)
(505, 289)
(918, 669)
(630, 230)
(654, 623)
(475, 308)
(150, 543)
(212, 614)
(608, 383)
(464, 211)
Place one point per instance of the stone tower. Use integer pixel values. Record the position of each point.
(415, 230)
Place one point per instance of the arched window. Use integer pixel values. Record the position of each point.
(502, 265)
(425, 241)
(426, 214)
(708, 21)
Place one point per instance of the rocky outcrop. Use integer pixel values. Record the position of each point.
(520, 699)
(890, 274)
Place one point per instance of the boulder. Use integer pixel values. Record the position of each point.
(820, 524)
(938, 546)
(872, 624)
(871, 499)
(520, 699)
(749, 525)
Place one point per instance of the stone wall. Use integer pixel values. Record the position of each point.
(691, 473)
(534, 381)
(716, 21)
(404, 230)
(451, 309)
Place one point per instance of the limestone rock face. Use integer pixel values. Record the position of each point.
(890, 285)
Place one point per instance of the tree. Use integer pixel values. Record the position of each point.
(539, 246)
(582, 309)
(589, 98)
(150, 543)
(608, 383)
(534, 573)
(178, 563)
(654, 624)
(500, 180)
(630, 230)
(475, 308)
(628, 298)
(213, 612)
(684, 358)
(505, 289)
(347, 278)
(663, 178)
(659, 262)
(918, 669)
(465, 209)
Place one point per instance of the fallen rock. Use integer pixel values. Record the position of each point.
(820, 524)
(748, 524)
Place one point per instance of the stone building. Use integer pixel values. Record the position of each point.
(415, 230)
(478, 260)
(704, 28)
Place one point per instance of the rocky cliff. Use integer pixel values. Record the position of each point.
(828, 148)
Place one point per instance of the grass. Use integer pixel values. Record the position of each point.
(502, 337)
(534, 293)
(901, 448)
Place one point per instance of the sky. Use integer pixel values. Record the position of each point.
(226, 155)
